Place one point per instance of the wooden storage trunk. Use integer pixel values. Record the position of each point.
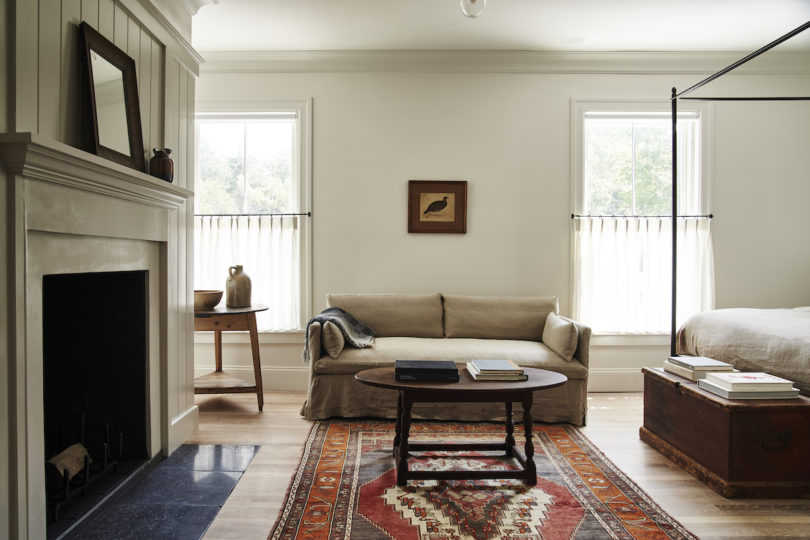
(739, 448)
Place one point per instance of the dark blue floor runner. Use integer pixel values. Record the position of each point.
(177, 498)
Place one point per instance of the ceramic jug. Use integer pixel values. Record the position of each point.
(161, 165)
(237, 288)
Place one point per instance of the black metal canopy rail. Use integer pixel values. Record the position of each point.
(674, 101)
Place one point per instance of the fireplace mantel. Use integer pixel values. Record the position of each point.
(40, 158)
(69, 211)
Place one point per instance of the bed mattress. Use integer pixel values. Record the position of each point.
(775, 341)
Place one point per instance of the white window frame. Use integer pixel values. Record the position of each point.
(229, 109)
(579, 108)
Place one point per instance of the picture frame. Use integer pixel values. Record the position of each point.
(112, 118)
(437, 206)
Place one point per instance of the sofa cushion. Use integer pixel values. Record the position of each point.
(387, 350)
(332, 339)
(497, 317)
(559, 335)
(410, 315)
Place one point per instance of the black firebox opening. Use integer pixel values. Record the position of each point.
(95, 356)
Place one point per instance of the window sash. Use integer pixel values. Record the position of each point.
(274, 249)
(622, 267)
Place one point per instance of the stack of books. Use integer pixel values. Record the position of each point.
(694, 367)
(426, 370)
(751, 385)
(496, 370)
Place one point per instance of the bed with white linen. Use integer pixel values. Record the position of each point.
(775, 341)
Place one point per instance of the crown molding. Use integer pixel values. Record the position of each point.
(193, 6)
(497, 62)
(164, 30)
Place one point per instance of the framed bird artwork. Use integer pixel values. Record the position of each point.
(437, 206)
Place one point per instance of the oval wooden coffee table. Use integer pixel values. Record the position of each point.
(465, 390)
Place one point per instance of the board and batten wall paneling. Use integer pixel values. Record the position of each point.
(179, 130)
(24, 106)
(4, 77)
(69, 74)
(48, 85)
(50, 100)
(5, 352)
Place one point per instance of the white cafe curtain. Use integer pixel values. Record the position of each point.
(268, 247)
(623, 272)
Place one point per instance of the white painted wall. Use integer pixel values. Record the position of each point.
(762, 191)
(508, 135)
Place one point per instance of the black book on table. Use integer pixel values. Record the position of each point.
(425, 370)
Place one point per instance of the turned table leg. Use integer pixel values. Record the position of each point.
(402, 453)
(531, 468)
(398, 425)
(510, 429)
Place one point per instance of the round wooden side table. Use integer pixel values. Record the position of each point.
(223, 319)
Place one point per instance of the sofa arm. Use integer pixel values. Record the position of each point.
(582, 352)
(313, 348)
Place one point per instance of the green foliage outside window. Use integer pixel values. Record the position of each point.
(244, 167)
(628, 167)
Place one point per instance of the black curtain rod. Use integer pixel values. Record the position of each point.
(308, 214)
(581, 216)
(791, 98)
(742, 61)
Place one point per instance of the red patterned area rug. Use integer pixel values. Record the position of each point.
(345, 488)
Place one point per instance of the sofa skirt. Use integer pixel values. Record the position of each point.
(343, 396)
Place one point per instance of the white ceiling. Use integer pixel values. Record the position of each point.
(527, 25)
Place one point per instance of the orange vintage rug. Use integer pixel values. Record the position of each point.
(345, 488)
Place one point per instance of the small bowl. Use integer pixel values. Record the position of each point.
(206, 300)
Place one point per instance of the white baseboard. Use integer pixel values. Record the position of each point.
(273, 377)
(183, 427)
(615, 380)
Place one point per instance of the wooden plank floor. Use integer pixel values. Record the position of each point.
(613, 422)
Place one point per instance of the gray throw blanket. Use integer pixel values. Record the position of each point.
(356, 334)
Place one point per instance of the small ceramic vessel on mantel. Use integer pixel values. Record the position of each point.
(161, 165)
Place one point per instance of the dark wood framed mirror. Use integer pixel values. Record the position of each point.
(113, 117)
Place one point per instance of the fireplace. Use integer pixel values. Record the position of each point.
(76, 217)
(95, 401)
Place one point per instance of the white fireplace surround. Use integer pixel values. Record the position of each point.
(74, 212)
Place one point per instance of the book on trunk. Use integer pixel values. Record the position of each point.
(708, 385)
(426, 370)
(750, 382)
(686, 373)
(700, 363)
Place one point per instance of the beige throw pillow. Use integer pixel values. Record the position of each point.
(560, 336)
(332, 339)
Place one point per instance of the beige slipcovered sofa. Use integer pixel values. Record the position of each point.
(447, 327)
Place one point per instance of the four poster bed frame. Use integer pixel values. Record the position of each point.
(676, 96)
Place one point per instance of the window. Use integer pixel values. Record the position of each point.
(623, 229)
(251, 204)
